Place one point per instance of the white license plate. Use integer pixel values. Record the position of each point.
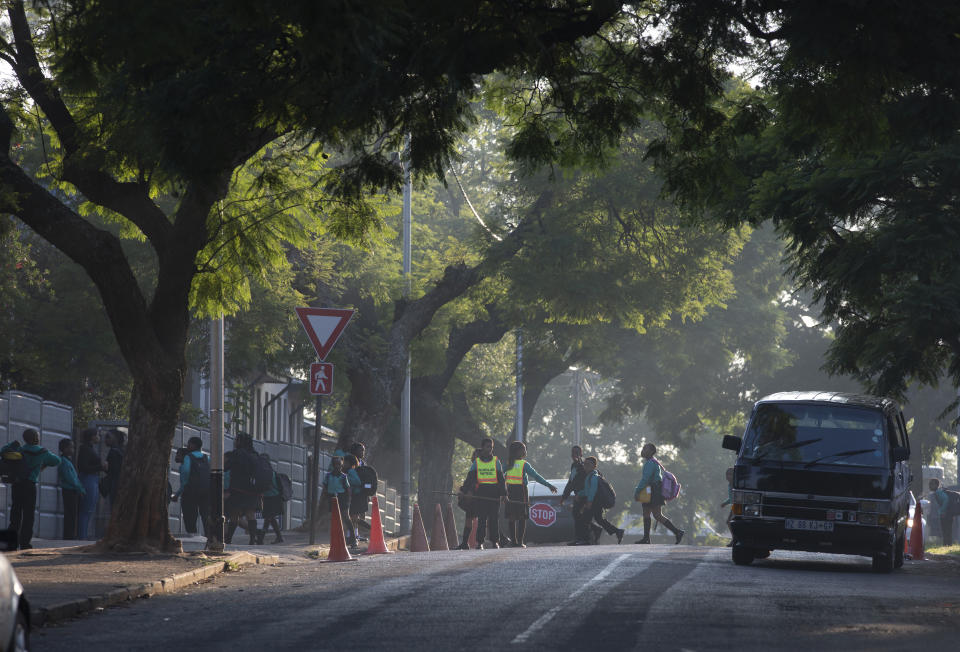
(809, 526)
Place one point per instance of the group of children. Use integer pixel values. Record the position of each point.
(344, 483)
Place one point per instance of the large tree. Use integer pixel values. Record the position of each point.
(148, 100)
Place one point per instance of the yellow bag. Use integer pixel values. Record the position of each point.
(644, 495)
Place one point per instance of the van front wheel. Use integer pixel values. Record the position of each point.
(742, 556)
(883, 561)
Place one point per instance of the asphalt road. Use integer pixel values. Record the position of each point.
(625, 597)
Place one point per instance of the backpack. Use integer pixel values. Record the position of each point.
(606, 496)
(670, 488)
(263, 473)
(199, 480)
(368, 479)
(14, 465)
(286, 486)
(953, 506)
(242, 465)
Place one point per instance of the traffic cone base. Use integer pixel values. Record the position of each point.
(438, 538)
(916, 534)
(450, 525)
(418, 535)
(377, 544)
(338, 543)
(472, 542)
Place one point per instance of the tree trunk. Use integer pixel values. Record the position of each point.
(138, 519)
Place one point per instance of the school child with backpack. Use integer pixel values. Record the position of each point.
(596, 496)
(517, 510)
(23, 483)
(358, 498)
(272, 510)
(71, 489)
(194, 491)
(652, 478)
(337, 485)
(241, 498)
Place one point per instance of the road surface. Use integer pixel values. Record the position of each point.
(609, 597)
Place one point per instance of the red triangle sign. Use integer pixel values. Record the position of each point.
(323, 326)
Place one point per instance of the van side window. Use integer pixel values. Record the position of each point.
(893, 427)
(903, 430)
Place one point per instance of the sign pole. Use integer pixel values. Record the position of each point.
(315, 471)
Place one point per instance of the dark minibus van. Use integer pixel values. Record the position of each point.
(821, 472)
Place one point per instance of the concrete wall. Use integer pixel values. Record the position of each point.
(55, 422)
(19, 411)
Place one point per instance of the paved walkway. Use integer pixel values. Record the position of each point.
(62, 579)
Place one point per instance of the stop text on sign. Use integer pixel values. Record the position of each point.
(543, 514)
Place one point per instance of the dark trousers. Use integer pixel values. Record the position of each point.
(71, 509)
(596, 514)
(193, 506)
(582, 518)
(488, 519)
(24, 495)
(946, 529)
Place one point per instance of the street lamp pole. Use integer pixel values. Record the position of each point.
(577, 417)
(519, 384)
(405, 485)
(216, 524)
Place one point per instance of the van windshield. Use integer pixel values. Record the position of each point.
(816, 434)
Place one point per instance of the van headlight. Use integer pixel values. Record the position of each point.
(868, 519)
(870, 506)
(746, 497)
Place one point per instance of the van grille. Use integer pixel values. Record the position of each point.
(776, 506)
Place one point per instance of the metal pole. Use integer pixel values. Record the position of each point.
(577, 419)
(315, 471)
(216, 524)
(405, 485)
(519, 384)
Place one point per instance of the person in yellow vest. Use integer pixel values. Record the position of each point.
(517, 510)
(486, 481)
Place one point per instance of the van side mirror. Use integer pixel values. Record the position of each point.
(900, 454)
(732, 443)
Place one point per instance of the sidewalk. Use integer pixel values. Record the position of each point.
(61, 579)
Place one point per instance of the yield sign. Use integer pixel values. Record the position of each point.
(323, 326)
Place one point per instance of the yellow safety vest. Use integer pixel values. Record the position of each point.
(515, 474)
(487, 471)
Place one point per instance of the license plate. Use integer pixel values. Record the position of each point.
(809, 526)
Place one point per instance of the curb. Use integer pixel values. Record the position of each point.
(54, 613)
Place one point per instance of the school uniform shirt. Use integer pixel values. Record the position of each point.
(531, 473)
(35, 462)
(729, 497)
(651, 475)
(942, 500)
(336, 484)
(356, 485)
(590, 485)
(185, 470)
(68, 478)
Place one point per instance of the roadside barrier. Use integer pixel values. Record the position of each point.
(338, 543)
(418, 535)
(438, 537)
(916, 534)
(450, 525)
(378, 546)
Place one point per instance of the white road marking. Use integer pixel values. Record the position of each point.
(540, 622)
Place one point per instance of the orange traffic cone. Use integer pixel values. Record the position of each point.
(438, 538)
(472, 542)
(916, 534)
(418, 535)
(450, 525)
(338, 543)
(377, 544)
